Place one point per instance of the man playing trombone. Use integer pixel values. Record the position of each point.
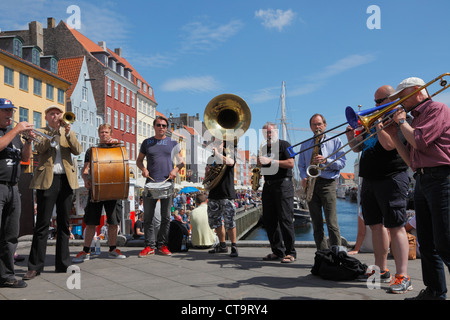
(54, 179)
(383, 198)
(324, 192)
(428, 154)
(12, 151)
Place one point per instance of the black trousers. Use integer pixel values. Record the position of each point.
(60, 194)
(278, 216)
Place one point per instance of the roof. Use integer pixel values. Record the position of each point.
(69, 69)
(92, 47)
(347, 176)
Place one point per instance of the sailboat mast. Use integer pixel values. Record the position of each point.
(283, 113)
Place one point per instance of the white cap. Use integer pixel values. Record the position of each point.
(407, 83)
(53, 107)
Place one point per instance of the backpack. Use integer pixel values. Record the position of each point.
(335, 264)
(178, 237)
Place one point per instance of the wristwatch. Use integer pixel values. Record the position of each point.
(401, 121)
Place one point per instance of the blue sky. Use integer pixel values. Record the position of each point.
(192, 50)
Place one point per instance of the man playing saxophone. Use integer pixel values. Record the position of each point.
(324, 192)
(278, 195)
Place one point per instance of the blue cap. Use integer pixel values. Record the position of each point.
(6, 104)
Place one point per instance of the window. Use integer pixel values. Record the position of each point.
(83, 142)
(60, 96)
(133, 124)
(23, 114)
(37, 119)
(133, 100)
(9, 76)
(140, 127)
(84, 118)
(37, 87)
(122, 127)
(108, 115)
(128, 97)
(109, 87)
(49, 92)
(17, 50)
(23, 82)
(36, 57)
(91, 118)
(127, 123)
(84, 94)
(91, 141)
(116, 91)
(122, 94)
(54, 65)
(116, 119)
(76, 111)
(133, 151)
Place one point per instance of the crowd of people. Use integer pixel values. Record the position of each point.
(420, 142)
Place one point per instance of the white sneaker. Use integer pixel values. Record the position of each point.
(116, 254)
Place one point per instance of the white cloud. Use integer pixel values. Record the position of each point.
(199, 36)
(275, 19)
(191, 84)
(316, 80)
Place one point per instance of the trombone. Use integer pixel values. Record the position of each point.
(367, 119)
(40, 137)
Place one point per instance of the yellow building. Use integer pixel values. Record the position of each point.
(30, 87)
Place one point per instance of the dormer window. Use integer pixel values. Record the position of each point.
(54, 66)
(36, 57)
(17, 48)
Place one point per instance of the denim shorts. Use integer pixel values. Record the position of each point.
(384, 201)
(220, 211)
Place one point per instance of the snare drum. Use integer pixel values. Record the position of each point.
(110, 173)
(159, 190)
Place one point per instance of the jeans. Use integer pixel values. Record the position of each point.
(149, 222)
(432, 205)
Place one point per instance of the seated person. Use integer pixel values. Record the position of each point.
(202, 236)
(139, 227)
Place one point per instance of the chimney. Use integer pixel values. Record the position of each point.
(51, 23)
(36, 32)
(118, 51)
(103, 45)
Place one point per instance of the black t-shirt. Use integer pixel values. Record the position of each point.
(10, 158)
(379, 163)
(225, 188)
(283, 154)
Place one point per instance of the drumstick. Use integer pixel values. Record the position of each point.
(152, 178)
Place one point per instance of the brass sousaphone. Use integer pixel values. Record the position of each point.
(227, 117)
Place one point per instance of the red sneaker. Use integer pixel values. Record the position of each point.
(164, 251)
(146, 252)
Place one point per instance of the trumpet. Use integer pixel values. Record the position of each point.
(40, 137)
(67, 118)
(368, 119)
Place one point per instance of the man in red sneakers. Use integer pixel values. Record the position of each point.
(162, 153)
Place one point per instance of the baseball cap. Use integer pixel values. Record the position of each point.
(6, 104)
(407, 83)
(53, 107)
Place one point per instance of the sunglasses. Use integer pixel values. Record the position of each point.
(379, 101)
(160, 125)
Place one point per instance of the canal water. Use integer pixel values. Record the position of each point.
(347, 218)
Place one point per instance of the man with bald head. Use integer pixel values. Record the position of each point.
(383, 198)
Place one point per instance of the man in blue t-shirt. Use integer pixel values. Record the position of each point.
(161, 153)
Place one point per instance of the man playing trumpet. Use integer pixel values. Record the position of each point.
(54, 179)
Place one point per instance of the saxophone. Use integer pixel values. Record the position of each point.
(310, 182)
